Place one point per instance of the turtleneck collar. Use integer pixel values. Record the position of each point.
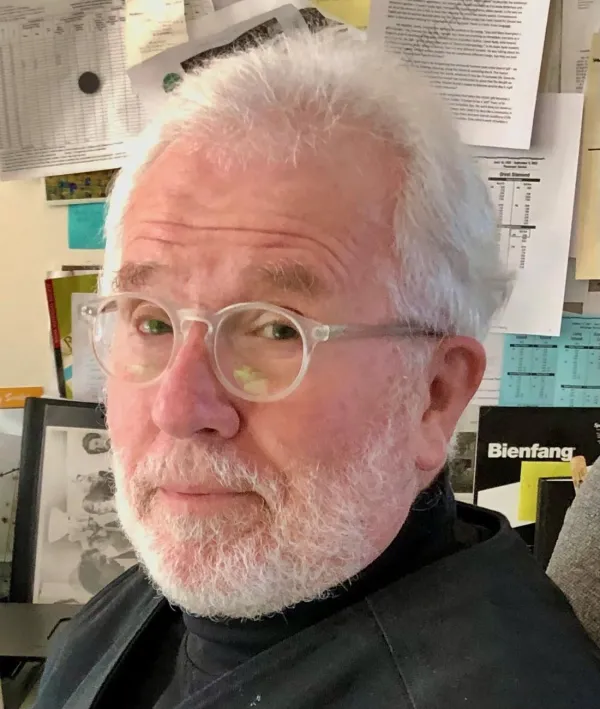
(216, 646)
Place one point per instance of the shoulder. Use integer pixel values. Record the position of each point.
(575, 563)
(92, 632)
(488, 627)
(110, 603)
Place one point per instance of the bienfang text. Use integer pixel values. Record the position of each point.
(534, 451)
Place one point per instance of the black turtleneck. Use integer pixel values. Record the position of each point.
(187, 652)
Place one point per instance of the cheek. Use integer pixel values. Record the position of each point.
(129, 420)
(328, 418)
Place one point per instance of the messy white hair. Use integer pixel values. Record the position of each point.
(448, 273)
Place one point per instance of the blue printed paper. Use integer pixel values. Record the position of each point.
(578, 371)
(553, 371)
(86, 225)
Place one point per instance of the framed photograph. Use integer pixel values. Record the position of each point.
(68, 542)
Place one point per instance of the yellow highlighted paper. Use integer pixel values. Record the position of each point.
(350, 12)
(531, 472)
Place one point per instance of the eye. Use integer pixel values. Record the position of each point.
(154, 326)
(278, 331)
(148, 319)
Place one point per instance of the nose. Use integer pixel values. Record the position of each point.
(190, 400)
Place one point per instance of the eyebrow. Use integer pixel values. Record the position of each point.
(132, 276)
(283, 275)
(287, 276)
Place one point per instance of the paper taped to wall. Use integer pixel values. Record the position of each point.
(581, 18)
(483, 57)
(554, 371)
(86, 226)
(153, 26)
(66, 103)
(534, 226)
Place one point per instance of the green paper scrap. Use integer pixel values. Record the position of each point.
(86, 226)
(78, 187)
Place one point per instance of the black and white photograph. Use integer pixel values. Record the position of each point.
(77, 546)
(80, 546)
(10, 450)
(462, 465)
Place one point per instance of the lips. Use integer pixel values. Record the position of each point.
(197, 490)
(202, 501)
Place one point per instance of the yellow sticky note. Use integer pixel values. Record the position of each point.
(350, 12)
(531, 472)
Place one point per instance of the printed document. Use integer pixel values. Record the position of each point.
(534, 194)
(554, 371)
(66, 103)
(483, 57)
(152, 26)
(581, 18)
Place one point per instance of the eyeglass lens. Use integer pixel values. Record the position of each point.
(258, 351)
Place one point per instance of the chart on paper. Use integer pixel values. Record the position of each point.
(533, 192)
(513, 184)
(66, 103)
(554, 371)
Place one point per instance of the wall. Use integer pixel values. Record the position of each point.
(33, 240)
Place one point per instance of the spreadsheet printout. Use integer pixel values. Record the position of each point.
(554, 371)
(534, 195)
(53, 119)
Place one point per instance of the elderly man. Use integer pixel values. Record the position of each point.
(301, 264)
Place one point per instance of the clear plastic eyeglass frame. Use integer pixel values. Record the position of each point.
(311, 331)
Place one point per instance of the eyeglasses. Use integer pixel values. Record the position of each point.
(258, 351)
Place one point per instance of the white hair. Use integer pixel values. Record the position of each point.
(448, 273)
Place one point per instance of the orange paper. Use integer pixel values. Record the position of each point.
(14, 397)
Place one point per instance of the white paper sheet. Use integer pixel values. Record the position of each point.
(214, 34)
(88, 379)
(47, 124)
(581, 18)
(534, 193)
(153, 26)
(483, 56)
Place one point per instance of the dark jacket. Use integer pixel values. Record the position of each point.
(481, 628)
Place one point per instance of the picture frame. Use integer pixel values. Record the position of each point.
(68, 542)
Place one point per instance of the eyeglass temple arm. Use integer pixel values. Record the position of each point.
(397, 330)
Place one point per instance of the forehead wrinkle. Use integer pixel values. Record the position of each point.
(283, 273)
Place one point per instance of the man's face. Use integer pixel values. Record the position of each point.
(241, 508)
(97, 445)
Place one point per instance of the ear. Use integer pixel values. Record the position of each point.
(453, 377)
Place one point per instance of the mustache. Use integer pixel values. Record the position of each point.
(186, 462)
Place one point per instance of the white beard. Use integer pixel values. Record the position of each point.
(317, 527)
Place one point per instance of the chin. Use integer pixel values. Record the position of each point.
(221, 568)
